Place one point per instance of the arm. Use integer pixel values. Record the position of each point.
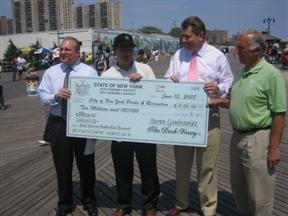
(222, 102)
(46, 92)
(278, 123)
(224, 76)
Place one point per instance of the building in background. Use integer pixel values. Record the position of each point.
(219, 37)
(89, 38)
(6, 25)
(50, 15)
(42, 15)
(104, 14)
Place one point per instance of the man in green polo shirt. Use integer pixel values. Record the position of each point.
(257, 115)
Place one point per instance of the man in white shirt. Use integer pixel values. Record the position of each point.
(123, 152)
(53, 92)
(199, 61)
(20, 62)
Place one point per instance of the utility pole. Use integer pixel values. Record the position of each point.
(59, 24)
(268, 20)
(58, 36)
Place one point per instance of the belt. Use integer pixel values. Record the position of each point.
(251, 130)
(56, 118)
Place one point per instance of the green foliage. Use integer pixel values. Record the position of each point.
(175, 32)
(10, 52)
(54, 46)
(35, 46)
(150, 30)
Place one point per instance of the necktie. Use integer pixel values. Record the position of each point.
(65, 85)
(193, 70)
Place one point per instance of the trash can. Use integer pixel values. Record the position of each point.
(32, 85)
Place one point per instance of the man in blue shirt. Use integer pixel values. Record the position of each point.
(53, 92)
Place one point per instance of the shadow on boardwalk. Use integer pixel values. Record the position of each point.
(28, 179)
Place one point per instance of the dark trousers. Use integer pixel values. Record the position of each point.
(1, 96)
(123, 159)
(14, 73)
(63, 150)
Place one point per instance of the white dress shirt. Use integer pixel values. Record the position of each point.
(212, 65)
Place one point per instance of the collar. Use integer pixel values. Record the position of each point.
(256, 69)
(75, 64)
(200, 52)
(126, 71)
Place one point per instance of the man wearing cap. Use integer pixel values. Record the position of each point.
(123, 152)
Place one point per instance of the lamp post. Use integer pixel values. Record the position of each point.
(268, 20)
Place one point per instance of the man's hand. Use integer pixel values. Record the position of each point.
(174, 78)
(63, 93)
(222, 102)
(135, 77)
(278, 124)
(273, 157)
(211, 88)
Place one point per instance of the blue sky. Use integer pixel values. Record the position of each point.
(232, 15)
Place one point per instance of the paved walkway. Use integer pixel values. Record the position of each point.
(28, 181)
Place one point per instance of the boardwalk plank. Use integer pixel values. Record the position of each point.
(28, 180)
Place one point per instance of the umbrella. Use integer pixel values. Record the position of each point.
(43, 51)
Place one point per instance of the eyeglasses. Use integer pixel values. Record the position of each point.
(66, 50)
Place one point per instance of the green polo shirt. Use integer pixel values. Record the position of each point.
(256, 95)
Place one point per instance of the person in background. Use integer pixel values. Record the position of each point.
(14, 67)
(123, 152)
(142, 56)
(2, 104)
(53, 92)
(257, 114)
(47, 130)
(20, 65)
(83, 57)
(100, 61)
(199, 61)
(110, 59)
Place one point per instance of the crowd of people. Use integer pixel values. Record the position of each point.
(256, 99)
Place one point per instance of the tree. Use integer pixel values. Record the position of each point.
(175, 32)
(54, 46)
(37, 45)
(10, 52)
(150, 30)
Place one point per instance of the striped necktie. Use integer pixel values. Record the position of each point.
(68, 70)
(193, 69)
(65, 85)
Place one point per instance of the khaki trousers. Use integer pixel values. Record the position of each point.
(206, 159)
(252, 182)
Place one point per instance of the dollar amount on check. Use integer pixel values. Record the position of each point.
(150, 111)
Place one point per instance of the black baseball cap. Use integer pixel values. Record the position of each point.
(123, 40)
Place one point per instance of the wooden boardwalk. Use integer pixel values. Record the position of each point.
(28, 180)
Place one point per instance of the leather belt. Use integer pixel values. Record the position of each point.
(56, 118)
(251, 130)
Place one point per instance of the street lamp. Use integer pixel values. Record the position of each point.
(268, 20)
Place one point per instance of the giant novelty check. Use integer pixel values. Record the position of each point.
(149, 111)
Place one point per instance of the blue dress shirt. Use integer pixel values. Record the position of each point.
(53, 80)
